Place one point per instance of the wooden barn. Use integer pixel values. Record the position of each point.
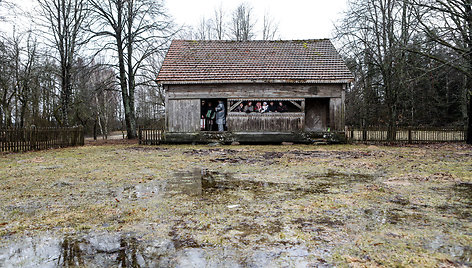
(301, 84)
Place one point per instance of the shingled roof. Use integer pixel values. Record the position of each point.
(301, 61)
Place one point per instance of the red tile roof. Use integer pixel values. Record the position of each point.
(304, 61)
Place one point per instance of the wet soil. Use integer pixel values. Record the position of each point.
(239, 206)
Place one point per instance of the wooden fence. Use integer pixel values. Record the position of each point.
(150, 136)
(405, 135)
(29, 139)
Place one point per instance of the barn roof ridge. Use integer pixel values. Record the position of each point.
(255, 40)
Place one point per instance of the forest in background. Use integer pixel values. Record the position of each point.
(94, 63)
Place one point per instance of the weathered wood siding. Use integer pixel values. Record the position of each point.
(183, 106)
(183, 115)
(336, 114)
(270, 122)
(317, 111)
(228, 91)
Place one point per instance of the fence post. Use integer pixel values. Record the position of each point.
(32, 137)
(364, 134)
(409, 135)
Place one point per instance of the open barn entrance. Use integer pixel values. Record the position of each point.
(317, 114)
(208, 117)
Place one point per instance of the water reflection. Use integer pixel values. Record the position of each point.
(462, 254)
(201, 182)
(125, 250)
(71, 254)
(464, 191)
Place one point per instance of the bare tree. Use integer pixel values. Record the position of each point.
(242, 24)
(9, 7)
(63, 20)
(134, 30)
(377, 33)
(269, 28)
(218, 23)
(25, 77)
(205, 29)
(449, 24)
(7, 91)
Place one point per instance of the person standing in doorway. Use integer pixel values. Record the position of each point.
(203, 113)
(220, 116)
(210, 117)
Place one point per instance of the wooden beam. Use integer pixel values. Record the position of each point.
(235, 105)
(296, 104)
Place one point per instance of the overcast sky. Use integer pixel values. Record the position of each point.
(297, 19)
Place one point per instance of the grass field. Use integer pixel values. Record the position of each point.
(300, 205)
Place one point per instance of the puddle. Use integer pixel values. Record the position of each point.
(462, 255)
(460, 205)
(146, 190)
(128, 250)
(326, 183)
(203, 182)
(464, 191)
(392, 216)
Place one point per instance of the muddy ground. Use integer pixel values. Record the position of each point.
(228, 206)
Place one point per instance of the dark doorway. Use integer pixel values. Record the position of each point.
(317, 114)
(208, 113)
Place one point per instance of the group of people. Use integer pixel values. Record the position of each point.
(261, 107)
(213, 118)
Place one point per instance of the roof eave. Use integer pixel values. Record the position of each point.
(258, 81)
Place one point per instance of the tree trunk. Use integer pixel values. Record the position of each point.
(125, 93)
(131, 76)
(468, 12)
(469, 120)
(95, 130)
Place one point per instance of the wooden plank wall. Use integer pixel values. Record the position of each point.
(183, 104)
(336, 114)
(317, 111)
(273, 122)
(183, 115)
(230, 91)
